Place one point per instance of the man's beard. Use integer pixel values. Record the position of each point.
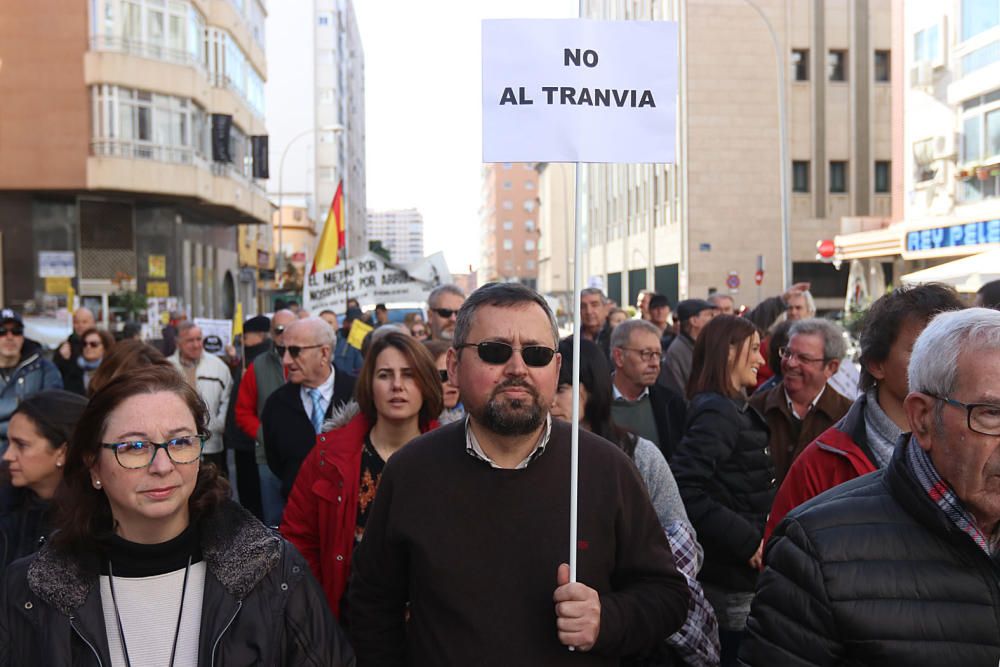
(511, 416)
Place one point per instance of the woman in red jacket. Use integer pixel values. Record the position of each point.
(397, 397)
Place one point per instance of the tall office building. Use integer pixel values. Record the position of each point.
(702, 223)
(316, 94)
(401, 232)
(509, 224)
(132, 142)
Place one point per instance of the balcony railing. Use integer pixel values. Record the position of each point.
(145, 50)
(140, 150)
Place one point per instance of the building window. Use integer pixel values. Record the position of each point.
(882, 67)
(972, 138)
(507, 165)
(993, 134)
(507, 185)
(326, 96)
(923, 161)
(836, 65)
(529, 245)
(800, 64)
(838, 176)
(883, 176)
(508, 225)
(529, 225)
(529, 264)
(529, 185)
(800, 175)
(529, 205)
(979, 16)
(927, 45)
(327, 173)
(323, 20)
(508, 244)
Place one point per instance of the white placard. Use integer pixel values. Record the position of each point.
(56, 264)
(371, 280)
(577, 90)
(221, 328)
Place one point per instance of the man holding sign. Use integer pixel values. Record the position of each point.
(467, 533)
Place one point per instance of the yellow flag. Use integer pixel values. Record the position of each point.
(238, 320)
(358, 332)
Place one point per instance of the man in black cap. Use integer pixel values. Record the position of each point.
(23, 371)
(658, 307)
(693, 314)
(346, 357)
(256, 340)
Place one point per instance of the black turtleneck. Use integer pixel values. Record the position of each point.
(131, 559)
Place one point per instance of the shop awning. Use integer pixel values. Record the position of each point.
(966, 275)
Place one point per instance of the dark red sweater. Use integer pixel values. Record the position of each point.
(474, 550)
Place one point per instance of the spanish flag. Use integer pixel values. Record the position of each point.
(331, 241)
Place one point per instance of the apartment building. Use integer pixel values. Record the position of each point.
(400, 231)
(509, 224)
(133, 145)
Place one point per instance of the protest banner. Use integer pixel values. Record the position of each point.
(216, 334)
(579, 91)
(371, 279)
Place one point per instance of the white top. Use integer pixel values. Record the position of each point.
(148, 607)
(325, 389)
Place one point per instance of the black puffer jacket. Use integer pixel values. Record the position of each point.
(873, 573)
(24, 523)
(724, 473)
(261, 606)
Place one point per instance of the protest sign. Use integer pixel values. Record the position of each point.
(576, 90)
(216, 334)
(370, 279)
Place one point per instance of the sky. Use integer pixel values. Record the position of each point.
(424, 111)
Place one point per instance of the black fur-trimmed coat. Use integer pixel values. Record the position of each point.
(261, 606)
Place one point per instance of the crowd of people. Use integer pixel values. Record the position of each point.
(403, 496)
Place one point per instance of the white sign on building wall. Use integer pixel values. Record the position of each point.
(576, 90)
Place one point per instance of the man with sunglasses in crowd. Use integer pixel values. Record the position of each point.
(67, 357)
(294, 413)
(442, 310)
(261, 379)
(640, 404)
(899, 567)
(23, 371)
(803, 404)
(464, 556)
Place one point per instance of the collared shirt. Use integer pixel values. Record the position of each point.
(698, 639)
(791, 406)
(325, 390)
(618, 396)
(941, 493)
(475, 450)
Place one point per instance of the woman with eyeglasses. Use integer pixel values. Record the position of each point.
(724, 471)
(397, 397)
(38, 435)
(96, 346)
(151, 562)
(453, 409)
(698, 640)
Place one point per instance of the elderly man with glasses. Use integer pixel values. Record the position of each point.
(803, 404)
(899, 567)
(642, 405)
(294, 413)
(23, 371)
(464, 556)
(442, 311)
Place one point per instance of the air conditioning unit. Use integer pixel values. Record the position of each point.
(922, 75)
(944, 147)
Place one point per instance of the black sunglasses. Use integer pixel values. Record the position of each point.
(11, 331)
(496, 353)
(293, 350)
(279, 329)
(445, 312)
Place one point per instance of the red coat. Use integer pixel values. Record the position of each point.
(322, 510)
(838, 455)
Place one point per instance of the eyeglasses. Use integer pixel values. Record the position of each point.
(293, 350)
(788, 355)
(445, 312)
(93, 343)
(646, 355)
(496, 353)
(140, 453)
(444, 376)
(279, 329)
(982, 418)
(11, 331)
(419, 332)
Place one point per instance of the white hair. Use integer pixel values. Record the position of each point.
(320, 330)
(934, 362)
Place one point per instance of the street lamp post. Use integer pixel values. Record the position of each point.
(281, 185)
(786, 243)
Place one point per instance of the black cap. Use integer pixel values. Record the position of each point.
(8, 315)
(690, 307)
(659, 301)
(354, 314)
(257, 324)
